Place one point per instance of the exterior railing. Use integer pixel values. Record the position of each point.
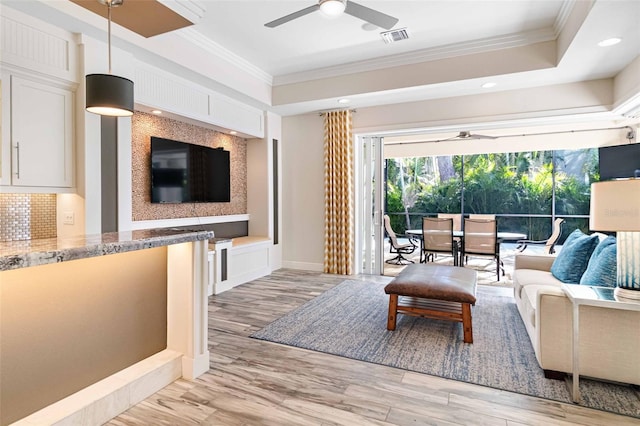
(535, 226)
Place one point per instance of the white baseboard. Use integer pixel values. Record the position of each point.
(104, 400)
(305, 266)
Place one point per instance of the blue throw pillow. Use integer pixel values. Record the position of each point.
(573, 259)
(602, 269)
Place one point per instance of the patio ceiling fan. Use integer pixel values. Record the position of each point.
(468, 135)
(336, 7)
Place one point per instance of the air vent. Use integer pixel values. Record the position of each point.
(394, 35)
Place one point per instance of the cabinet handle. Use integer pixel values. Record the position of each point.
(18, 160)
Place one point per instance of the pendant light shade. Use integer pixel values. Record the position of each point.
(109, 94)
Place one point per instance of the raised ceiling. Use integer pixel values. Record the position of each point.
(454, 47)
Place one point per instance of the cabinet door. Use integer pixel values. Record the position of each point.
(41, 134)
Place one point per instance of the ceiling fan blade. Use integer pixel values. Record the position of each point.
(372, 16)
(469, 135)
(292, 16)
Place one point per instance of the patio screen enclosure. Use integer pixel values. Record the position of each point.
(525, 190)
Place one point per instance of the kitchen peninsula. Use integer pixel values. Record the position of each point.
(91, 325)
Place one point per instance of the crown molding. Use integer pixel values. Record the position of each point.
(199, 40)
(630, 108)
(192, 10)
(425, 55)
(563, 16)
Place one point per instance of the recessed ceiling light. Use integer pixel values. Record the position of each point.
(489, 85)
(609, 42)
(343, 101)
(233, 132)
(156, 112)
(368, 26)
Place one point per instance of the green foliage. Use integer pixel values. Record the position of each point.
(502, 183)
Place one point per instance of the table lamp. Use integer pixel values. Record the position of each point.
(615, 206)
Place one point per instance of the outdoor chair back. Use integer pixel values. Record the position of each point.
(456, 217)
(437, 237)
(481, 240)
(549, 244)
(397, 248)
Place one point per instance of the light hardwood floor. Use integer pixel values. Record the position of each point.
(252, 382)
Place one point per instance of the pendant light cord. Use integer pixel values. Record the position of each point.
(109, 32)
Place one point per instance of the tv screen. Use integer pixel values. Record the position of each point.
(187, 173)
(619, 161)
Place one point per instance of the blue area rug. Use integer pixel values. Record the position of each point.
(350, 320)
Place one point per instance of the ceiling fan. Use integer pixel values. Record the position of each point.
(468, 135)
(337, 7)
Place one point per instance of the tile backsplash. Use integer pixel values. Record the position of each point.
(27, 216)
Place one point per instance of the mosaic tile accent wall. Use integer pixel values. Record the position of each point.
(27, 216)
(146, 125)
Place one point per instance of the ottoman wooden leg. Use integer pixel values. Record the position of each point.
(466, 323)
(393, 308)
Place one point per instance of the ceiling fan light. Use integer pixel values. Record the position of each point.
(333, 7)
(109, 94)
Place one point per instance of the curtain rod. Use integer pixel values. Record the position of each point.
(323, 113)
(631, 135)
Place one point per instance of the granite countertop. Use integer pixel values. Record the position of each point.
(22, 254)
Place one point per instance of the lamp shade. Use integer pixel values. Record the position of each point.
(109, 94)
(615, 205)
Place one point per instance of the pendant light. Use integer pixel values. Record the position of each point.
(109, 94)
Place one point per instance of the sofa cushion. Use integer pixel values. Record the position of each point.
(526, 277)
(573, 259)
(602, 268)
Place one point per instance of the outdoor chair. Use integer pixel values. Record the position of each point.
(549, 244)
(481, 240)
(396, 248)
(456, 217)
(483, 216)
(437, 237)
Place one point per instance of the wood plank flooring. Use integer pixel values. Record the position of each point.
(252, 382)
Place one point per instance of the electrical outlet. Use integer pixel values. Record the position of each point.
(69, 218)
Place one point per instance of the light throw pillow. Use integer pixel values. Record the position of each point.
(602, 269)
(573, 259)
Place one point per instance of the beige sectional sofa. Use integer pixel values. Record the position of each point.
(609, 339)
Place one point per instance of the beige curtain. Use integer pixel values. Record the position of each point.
(338, 193)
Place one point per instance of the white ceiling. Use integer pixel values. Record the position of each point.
(303, 59)
(315, 41)
(313, 48)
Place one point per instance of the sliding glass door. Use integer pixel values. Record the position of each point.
(369, 205)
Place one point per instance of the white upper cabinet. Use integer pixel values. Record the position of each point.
(156, 88)
(39, 77)
(41, 134)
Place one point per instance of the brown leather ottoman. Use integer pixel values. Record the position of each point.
(434, 291)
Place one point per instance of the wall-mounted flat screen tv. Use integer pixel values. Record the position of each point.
(619, 161)
(188, 173)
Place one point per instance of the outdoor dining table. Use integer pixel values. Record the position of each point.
(502, 236)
